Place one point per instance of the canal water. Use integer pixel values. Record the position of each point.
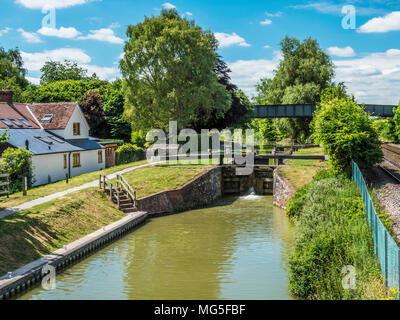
(236, 249)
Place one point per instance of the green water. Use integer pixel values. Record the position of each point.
(234, 250)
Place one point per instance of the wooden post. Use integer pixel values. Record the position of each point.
(100, 181)
(24, 186)
(66, 177)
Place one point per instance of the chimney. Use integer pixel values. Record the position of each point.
(6, 95)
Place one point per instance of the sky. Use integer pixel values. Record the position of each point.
(362, 37)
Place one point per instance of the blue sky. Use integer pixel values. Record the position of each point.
(92, 32)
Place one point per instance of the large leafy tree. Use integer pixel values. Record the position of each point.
(68, 70)
(239, 113)
(113, 106)
(168, 71)
(91, 105)
(302, 74)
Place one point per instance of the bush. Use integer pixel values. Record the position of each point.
(332, 232)
(396, 120)
(386, 129)
(346, 132)
(128, 153)
(18, 164)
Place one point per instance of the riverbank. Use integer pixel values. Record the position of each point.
(332, 233)
(33, 233)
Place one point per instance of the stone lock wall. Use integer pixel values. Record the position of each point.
(283, 190)
(198, 193)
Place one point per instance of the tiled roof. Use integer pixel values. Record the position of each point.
(40, 141)
(16, 111)
(61, 112)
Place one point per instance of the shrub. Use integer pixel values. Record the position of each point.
(128, 153)
(18, 164)
(332, 232)
(346, 131)
(396, 120)
(386, 129)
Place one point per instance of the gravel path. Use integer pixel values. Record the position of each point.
(30, 204)
(387, 192)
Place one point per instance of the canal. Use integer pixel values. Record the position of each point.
(236, 249)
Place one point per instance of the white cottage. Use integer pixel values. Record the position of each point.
(57, 134)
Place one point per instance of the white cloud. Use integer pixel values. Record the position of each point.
(30, 37)
(168, 5)
(341, 52)
(247, 73)
(4, 31)
(226, 40)
(336, 9)
(267, 46)
(188, 13)
(33, 80)
(115, 25)
(374, 78)
(390, 22)
(104, 34)
(35, 61)
(56, 4)
(277, 14)
(102, 72)
(266, 22)
(66, 33)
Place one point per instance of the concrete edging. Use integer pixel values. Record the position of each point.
(30, 274)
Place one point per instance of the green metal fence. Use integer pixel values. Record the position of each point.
(386, 249)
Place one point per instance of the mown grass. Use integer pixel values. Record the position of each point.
(332, 232)
(42, 191)
(149, 180)
(300, 172)
(29, 234)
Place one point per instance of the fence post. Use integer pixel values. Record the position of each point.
(386, 258)
(100, 181)
(376, 233)
(66, 177)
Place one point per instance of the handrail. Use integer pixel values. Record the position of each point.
(127, 187)
(113, 191)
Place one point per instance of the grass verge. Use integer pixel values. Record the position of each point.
(332, 232)
(149, 180)
(42, 191)
(30, 234)
(300, 172)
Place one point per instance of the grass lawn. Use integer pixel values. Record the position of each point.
(42, 191)
(27, 235)
(300, 172)
(149, 180)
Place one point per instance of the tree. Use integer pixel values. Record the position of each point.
(68, 70)
(346, 132)
(91, 105)
(113, 106)
(240, 111)
(11, 67)
(67, 90)
(168, 71)
(302, 74)
(18, 164)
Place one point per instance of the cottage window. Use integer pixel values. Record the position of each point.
(100, 156)
(65, 161)
(76, 160)
(77, 129)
